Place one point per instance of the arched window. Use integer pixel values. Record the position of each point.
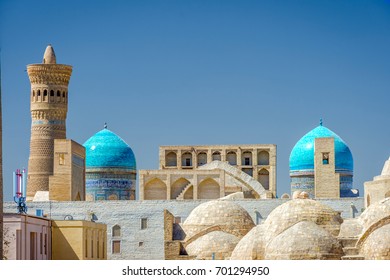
(263, 158)
(52, 93)
(202, 158)
(116, 231)
(263, 178)
(186, 159)
(216, 156)
(171, 159)
(246, 158)
(232, 158)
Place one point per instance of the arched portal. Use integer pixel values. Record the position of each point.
(178, 186)
(263, 178)
(171, 159)
(263, 158)
(155, 190)
(208, 189)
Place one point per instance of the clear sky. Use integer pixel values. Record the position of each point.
(206, 72)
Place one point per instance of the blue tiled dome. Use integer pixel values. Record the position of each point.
(302, 155)
(106, 149)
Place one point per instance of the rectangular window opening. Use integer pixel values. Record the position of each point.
(116, 247)
(325, 158)
(144, 223)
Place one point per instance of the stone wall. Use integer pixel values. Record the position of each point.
(148, 243)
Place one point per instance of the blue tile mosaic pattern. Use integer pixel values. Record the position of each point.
(302, 155)
(105, 149)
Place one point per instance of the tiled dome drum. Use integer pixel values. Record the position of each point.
(110, 168)
(302, 162)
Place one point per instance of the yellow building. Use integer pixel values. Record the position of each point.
(79, 240)
(68, 180)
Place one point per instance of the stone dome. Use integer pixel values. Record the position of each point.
(302, 155)
(217, 242)
(251, 246)
(296, 210)
(374, 213)
(304, 241)
(377, 244)
(105, 149)
(222, 215)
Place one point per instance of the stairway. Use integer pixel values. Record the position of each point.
(350, 250)
(183, 191)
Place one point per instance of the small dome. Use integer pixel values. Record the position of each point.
(105, 149)
(302, 155)
(296, 210)
(217, 242)
(251, 246)
(377, 244)
(304, 241)
(374, 213)
(224, 215)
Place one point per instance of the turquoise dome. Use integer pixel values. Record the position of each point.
(107, 150)
(302, 155)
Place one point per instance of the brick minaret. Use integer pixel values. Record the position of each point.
(49, 105)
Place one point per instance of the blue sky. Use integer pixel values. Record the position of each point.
(206, 72)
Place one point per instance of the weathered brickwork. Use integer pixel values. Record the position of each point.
(49, 106)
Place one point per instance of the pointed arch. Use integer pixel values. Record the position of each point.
(155, 189)
(202, 158)
(171, 159)
(263, 158)
(231, 157)
(178, 186)
(263, 178)
(116, 231)
(208, 189)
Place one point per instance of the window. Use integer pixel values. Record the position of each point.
(116, 231)
(247, 161)
(41, 243)
(140, 244)
(144, 223)
(325, 158)
(86, 248)
(61, 158)
(188, 162)
(216, 156)
(45, 244)
(33, 245)
(52, 93)
(116, 247)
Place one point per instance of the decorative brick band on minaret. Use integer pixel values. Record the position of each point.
(49, 106)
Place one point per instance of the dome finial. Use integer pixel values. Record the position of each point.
(320, 121)
(49, 57)
(105, 125)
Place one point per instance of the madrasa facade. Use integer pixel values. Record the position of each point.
(204, 202)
